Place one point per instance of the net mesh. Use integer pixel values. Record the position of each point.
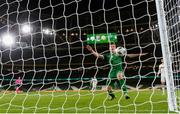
(173, 20)
(43, 42)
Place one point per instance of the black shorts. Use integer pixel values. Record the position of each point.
(18, 85)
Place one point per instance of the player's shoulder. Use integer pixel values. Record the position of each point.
(106, 54)
(161, 65)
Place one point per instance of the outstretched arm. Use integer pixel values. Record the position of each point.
(136, 55)
(96, 54)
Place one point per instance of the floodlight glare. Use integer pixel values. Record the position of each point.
(8, 39)
(26, 28)
(48, 31)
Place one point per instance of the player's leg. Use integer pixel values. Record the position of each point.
(163, 83)
(93, 87)
(17, 89)
(90, 86)
(109, 88)
(120, 77)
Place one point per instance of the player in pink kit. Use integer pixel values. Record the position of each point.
(18, 84)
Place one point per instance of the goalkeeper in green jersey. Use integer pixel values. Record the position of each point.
(116, 73)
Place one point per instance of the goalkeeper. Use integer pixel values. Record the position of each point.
(116, 73)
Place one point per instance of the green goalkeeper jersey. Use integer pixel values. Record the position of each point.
(116, 64)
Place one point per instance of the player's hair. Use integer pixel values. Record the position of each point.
(112, 43)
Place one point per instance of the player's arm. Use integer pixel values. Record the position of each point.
(136, 55)
(96, 54)
(159, 71)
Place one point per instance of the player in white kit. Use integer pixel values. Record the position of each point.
(162, 72)
(93, 84)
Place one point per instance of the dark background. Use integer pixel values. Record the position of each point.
(63, 57)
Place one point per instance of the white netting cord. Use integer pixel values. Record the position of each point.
(172, 9)
(55, 65)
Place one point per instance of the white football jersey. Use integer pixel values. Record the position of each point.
(161, 68)
(162, 71)
(94, 81)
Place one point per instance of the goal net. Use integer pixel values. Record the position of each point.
(55, 56)
(172, 15)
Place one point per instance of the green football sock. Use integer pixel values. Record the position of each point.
(123, 86)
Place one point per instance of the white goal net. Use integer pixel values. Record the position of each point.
(172, 15)
(55, 56)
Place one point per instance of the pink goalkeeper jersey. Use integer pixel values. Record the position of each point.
(18, 81)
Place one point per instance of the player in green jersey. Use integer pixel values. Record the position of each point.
(116, 73)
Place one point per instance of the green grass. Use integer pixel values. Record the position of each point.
(146, 101)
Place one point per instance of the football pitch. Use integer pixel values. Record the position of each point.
(83, 101)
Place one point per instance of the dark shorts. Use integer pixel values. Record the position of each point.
(18, 85)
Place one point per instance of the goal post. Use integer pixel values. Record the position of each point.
(167, 56)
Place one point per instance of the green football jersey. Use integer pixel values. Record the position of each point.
(116, 64)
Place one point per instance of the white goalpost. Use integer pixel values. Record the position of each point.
(166, 55)
(89, 56)
(169, 20)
